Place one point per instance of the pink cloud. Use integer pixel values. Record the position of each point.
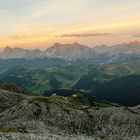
(85, 35)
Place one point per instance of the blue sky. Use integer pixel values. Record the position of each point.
(37, 23)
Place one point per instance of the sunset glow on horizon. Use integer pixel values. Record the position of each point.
(40, 23)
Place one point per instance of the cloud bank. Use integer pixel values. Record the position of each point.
(85, 35)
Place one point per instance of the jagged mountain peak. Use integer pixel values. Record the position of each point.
(57, 45)
(69, 51)
(18, 52)
(135, 43)
(7, 49)
(76, 44)
(128, 44)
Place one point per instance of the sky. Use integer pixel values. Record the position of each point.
(41, 23)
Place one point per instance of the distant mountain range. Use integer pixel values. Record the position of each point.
(77, 51)
(65, 51)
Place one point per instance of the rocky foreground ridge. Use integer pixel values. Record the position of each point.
(42, 118)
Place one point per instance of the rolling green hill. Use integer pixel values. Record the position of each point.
(118, 83)
(14, 88)
(87, 78)
(108, 72)
(42, 79)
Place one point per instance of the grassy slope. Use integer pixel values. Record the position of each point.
(106, 73)
(14, 88)
(65, 77)
(118, 83)
(39, 80)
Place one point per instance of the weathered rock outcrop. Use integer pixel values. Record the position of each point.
(55, 114)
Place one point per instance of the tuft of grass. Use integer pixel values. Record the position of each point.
(11, 130)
